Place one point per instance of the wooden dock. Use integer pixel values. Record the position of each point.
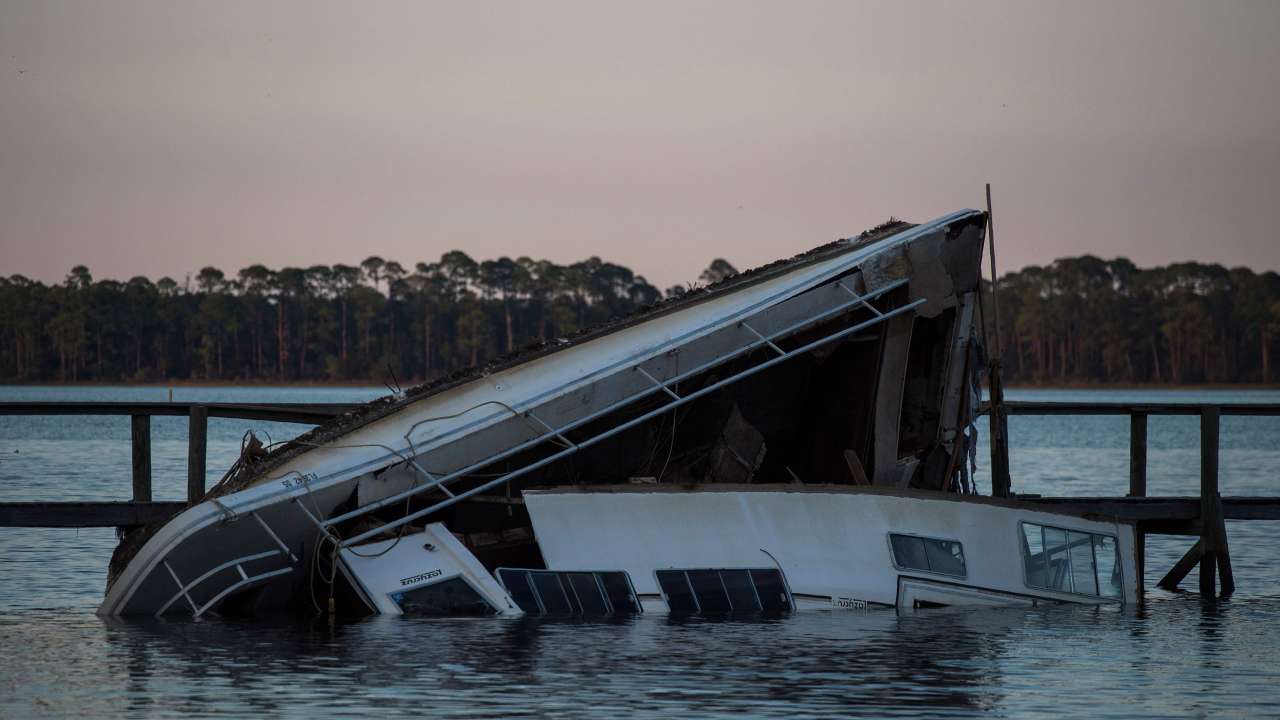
(1202, 516)
(141, 510)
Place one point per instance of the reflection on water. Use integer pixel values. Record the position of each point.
(1173, 657)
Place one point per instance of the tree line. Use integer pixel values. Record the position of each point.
(1088, 319)
(374, 321)
(1076, 320)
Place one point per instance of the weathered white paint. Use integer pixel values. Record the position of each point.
(830, 541)
(385, 568)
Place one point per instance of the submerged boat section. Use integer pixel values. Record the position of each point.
(841, 546)
(797, 436)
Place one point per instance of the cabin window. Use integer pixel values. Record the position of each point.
(725, 590)
(944, 557)
(1071, 561)
(450, 597)
(555, 592)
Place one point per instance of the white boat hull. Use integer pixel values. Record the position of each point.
(831, 542)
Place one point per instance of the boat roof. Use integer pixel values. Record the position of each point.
(244, 476)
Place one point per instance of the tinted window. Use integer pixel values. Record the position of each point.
(742, 592)
(617, 587)
(519, 587)
(908, 552)
(450, 597)
(709, 590)
(945, 556)
(587, 593)
(772, 590)
(675, 586)
(927, 554)
(552, 592)
(554, 599)
(728, 590)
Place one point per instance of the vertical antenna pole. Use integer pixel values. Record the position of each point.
(995, 280)
(1000, 482)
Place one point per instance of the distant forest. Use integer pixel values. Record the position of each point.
(1076, 320)
(1092, 320)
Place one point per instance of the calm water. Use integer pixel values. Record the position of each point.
(1173, 657)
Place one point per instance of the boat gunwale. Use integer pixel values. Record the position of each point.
(1014, 502)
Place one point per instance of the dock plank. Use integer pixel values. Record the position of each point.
(1027, 407)
(306, 413)
(1159, 508)
(85, 514)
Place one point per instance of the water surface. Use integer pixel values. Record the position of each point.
(1175, 656)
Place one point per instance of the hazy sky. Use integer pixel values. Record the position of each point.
(156, 138)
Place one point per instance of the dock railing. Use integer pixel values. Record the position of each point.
(1204, 516)
(142, 509)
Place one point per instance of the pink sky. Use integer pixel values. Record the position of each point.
(157, 138)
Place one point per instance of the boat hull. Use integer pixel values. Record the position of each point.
(832, 543)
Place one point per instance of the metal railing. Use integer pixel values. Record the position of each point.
(657, 385)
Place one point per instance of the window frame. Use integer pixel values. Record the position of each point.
(893, 556)
(562, 577)
(439, 581)
(791, 600)
(1024, 554)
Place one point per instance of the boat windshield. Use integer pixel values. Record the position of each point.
(1071, 561)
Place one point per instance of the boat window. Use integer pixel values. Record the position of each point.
(587, 593)
(1084, 574)
(1033, 555)
(772, 590)
(553, 592)
(725, 590)
(710, 591)
(555, 601)
(910, 552)
(1071, 561)
(450, 597)
(618, 590)
(1055, 549)
(1108, 560)
(741, 591)
(675, 586)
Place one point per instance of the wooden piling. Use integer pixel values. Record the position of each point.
(1224, 555)
(197, 434)
(1209, 422)
(1138, 488)
(141, 430)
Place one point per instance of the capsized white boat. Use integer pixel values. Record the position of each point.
(796, 436)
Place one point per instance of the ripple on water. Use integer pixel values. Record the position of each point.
(1173, 657)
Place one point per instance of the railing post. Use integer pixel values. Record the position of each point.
(1138, 488)
(1209, 417)
(141, 430)
(197, 434)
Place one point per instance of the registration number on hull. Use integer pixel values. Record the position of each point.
(848, 603)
